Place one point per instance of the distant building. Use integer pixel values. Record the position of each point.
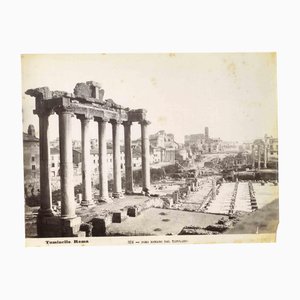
(162, 147)
(94, 143)
(95, 160)
(202, 143)
(273, 147)
(54, 162)
(181, 154)
(77, 156)
(228, 146)
(31, 154)
(206, 133)
(54, 143)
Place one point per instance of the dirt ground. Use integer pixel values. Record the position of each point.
(264, 220)
(155, 221)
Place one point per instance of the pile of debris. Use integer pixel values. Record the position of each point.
(219, 227)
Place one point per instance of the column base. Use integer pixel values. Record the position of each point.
(87, 203)
(46, 212)
(105, 199)
(68, 217)
(129, 192)
(118, 195)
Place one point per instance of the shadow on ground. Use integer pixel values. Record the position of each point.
(264, 220)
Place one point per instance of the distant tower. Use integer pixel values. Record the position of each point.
(31, 130)
(206, 133)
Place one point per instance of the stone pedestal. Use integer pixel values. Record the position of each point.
(56, 227)
(70, 227)
(48, 226)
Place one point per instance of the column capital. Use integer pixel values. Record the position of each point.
(145, 122)
(61, 109)
(101, 120)
(87, 117)
(127, 123)
(43, 112)
(116, 122)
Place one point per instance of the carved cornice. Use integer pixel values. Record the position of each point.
(86, 101)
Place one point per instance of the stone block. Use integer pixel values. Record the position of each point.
(93, 83)
(81, 234)
(192, 187)
(87, 228)
(158, 203)
(79, 198)
(70, 227)
(132, 211)
(99, 226)
(82, 90)
(96, 92)
(175, 197)
(168, 202)
(116, 217)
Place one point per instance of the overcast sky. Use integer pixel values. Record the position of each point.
(233, 94)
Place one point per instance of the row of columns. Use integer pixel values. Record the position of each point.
(68, 204)
(265, 149)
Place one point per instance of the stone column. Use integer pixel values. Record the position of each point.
(265, 156)
(145, 155)
(86, 161)
(45, 180)
(259, 157)
(117, 190)
(68, 204)
(103, 184)
(128, 158)
(253, 157)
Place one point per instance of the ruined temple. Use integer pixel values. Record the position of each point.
(87, 104)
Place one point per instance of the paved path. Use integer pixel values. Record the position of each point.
(242, 202)
(221, 204)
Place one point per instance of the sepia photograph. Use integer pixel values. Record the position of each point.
(150, 148)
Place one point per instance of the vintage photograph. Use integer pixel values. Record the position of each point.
(150, 148)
